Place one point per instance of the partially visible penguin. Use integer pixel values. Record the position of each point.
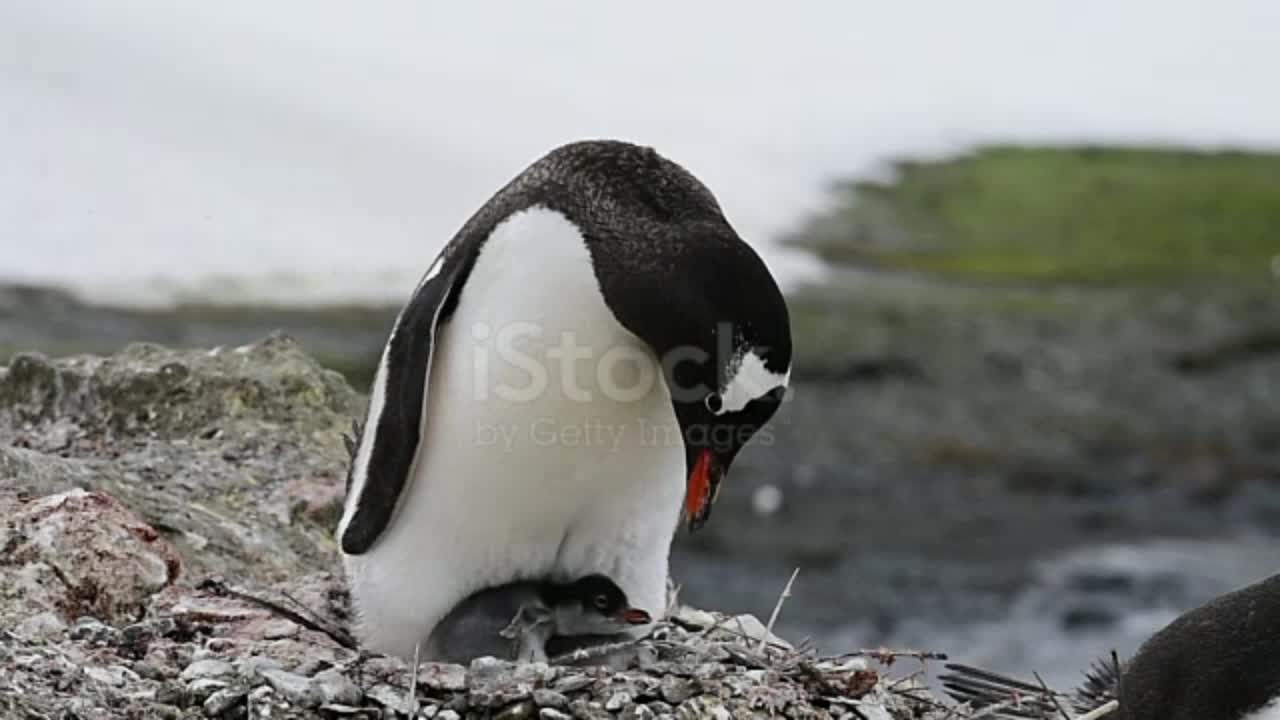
(522, 620)
(1220, 661)
(582, 361)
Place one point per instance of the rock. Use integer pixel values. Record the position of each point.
(675, 691)
(199, 441)
(589, 710)
(392, 698)
(517, 711)
(571, 684)
(80, 553)
(750, 626)
(544, 698)
(692, 617)
(334, 687)
(251, 668)
(200, 690)
(91, 630)
(223, 701)
(42, 625)
(617, 701)
(293, 688)
(339, 711)
(112, 675)
(443, 677)
(636, 712)
(553, 714)
(207, 668)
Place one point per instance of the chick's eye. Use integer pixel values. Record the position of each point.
(601, 602)
(713, 402)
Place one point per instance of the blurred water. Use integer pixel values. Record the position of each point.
(307, 151)
(1087, 602)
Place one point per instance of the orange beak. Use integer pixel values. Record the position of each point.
(702, 489)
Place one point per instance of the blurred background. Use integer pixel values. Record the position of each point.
(1032, 253)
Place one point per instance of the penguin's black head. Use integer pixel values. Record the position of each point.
(728, 373)
(593, 601)
(719, 325)
(675, 273)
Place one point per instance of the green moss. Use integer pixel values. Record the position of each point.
(1080, 215)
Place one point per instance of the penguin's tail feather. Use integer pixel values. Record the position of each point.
(1101, 683)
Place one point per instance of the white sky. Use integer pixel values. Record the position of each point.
(150, 145)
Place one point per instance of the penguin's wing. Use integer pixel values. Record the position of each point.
(388, 442)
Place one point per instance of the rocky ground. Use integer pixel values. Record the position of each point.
(137, 489)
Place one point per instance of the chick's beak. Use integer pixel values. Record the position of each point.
(635, 616)
(702, 489)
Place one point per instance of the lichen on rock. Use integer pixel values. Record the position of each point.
(81, 553)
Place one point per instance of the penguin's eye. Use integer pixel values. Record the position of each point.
(601, 602)
(713, 402)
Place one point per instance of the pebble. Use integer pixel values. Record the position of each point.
(259, 701)
(91, 629)
(545, 698)
(334, 710)
(148, 670)
(751, 627)
(222, 701)
(448, 715)
(617, 701)
(516, 711)
(295, 689)
(112, 675)
(693, 617)
(443, 676)
(41, 626)
(587, 710)
(207, 668)
(278, 630)
(389, 697)
(200, 690)
(163, 712)
(636, 712)
(571, 684)
(675, 691)
(251, 667)
(334, 687)
(553, 714)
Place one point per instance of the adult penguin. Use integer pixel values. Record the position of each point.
(586, 356)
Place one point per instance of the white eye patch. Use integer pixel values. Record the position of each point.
(749, 379)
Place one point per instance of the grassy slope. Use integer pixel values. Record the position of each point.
(1076, 215)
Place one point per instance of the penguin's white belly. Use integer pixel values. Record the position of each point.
(550, 447)
(1270, 711)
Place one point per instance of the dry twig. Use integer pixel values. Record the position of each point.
(777, 608)
(1052, 696)
(318, 624)
(1100, 711)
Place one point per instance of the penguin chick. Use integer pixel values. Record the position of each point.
(518, 620)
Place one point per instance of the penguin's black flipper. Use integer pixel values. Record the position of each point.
(382, 457)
